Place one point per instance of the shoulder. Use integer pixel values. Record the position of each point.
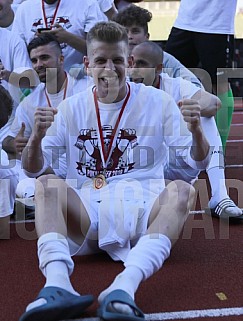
(79, 85)
(27, 6)
(34, 96)
(78, 99)
(150, 96)
(5, 34)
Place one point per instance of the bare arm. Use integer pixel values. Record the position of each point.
(32, 156)
(191, 112)
(209, 103)
(9, 147)
(63, 36)
(111, 12)
(14, 146)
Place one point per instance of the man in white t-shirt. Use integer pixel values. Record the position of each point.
(56, 85)
(8, 174)
(203, 36)
(68, 21)
(114, 198)
(147, 61)
(13, 58)
(108, 8)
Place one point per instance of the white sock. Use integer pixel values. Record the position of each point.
(55, 263)
(145, 258)
(215, 169)
(57, 275)
(217, 182)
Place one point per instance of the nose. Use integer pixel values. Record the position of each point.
(38, 64)
(129, 34)
(109, 64)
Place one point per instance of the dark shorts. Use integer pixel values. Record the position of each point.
(201, 50)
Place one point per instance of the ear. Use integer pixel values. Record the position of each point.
(148, 36)
(61, 59)
(130, 61)
(159, 68)
(86, 65)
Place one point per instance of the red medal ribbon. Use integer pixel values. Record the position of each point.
(64, 94)
(106, 155)
(158, 85)
(54, 16)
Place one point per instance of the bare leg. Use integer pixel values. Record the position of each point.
(58, 206)
(171, 209)
(166, 221)
(59, 213)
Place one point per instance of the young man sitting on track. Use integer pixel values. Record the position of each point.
(114, 199)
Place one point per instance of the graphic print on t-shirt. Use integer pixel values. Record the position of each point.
(91, 164)
(63, 21)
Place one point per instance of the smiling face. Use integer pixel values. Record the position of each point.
(136, 35)
(144, 66)
(147, 64)
(107, 63)
(46, 56)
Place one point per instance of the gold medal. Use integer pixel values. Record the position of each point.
(99, 181)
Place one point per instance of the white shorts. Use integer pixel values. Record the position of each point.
(8, 183)
(120, 234)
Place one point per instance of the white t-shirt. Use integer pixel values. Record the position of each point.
(140, 147)
(178, 88)
(174, 68)
(176, 167)
(18, 1)
(26, 111)
(105, 5)
(14, 56)
(208, 16)
(13, 53)
(75, 17)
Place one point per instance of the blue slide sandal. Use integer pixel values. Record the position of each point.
(60, 305)
(119, 296)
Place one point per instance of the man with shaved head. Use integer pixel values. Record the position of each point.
(149, 70)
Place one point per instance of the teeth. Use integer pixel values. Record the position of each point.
(109, 79)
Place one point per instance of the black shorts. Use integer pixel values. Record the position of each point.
(201, 50)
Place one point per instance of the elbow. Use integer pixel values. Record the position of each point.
(218, 104)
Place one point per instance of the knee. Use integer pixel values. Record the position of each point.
(43, 185)
(183, 192)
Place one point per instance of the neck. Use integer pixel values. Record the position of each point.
(112, 97)
(7, 20)
(54, 87)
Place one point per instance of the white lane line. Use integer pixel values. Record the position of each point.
(180, 315)
(197, 212)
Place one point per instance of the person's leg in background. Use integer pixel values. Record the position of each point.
(216, 55)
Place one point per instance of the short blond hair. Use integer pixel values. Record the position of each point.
(110, 32)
